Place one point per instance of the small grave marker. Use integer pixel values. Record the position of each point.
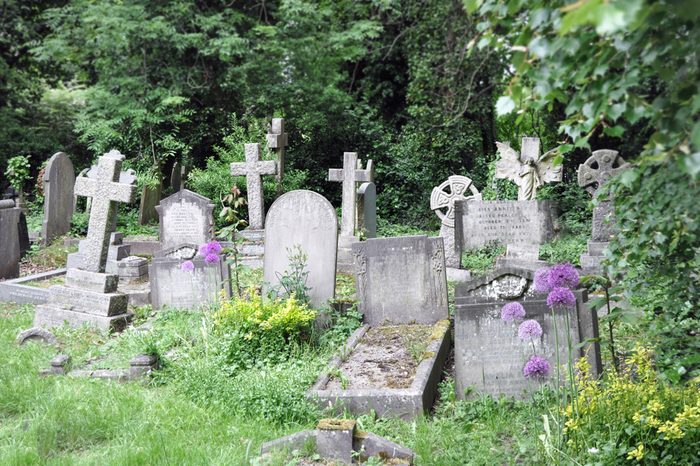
(253, 168)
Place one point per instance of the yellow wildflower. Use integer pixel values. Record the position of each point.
(637, 453)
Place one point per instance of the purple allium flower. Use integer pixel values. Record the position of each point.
(211, 258)
(561, 297)
(536, 367)
(563, 276)
(529, 329)
(541, 280)
(214, 247)
(203, 249)
(512, 311)
(187, 266)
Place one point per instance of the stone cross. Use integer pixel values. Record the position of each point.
(277, 139)
(598, 168)
(351, 174)
(253, 168)
(528, 169)
(105, 191)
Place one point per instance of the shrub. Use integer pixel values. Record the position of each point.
(256, 331)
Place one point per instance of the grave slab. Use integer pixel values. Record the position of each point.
(59, 181)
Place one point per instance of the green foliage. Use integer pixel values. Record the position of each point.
(79, 224)
(481, 261)
(564, 249)
(292, 283)
(17, 171)
(386, 229)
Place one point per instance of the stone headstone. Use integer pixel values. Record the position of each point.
(253, 168)
(442, 201)
(367, 209)
(9, 239)
(508, 222)
(185, 217)
(59, 180)
(307, 220)
(90, 296)
(528, 169)
(489, 355)
(177, 176)
(401, 280)
(117, 251)
(277, 140)
(150, 197)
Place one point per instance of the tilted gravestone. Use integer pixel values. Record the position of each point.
(9, 239)
(350, 175)
(367, 210)
(59, 179)
(528, 169)
(150, 197)
(23, 231)
(306, 220)
(442, 201)
(592, 175)
(186, 222)
(90, 295)
(401, 280)
(489, 354)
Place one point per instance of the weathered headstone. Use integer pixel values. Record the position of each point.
(253, 168)
(367, 210)
(350, 175)
(442, 201)
(117, 251)
(489, 354)
(178, 174)
(9, 239)
(185, 217)
(401, 280)
(277, 140)
(90, 296)
(592, 175)
(507, 222)
(307, 220)
(528, 169)
(150, 197)
(59, 179)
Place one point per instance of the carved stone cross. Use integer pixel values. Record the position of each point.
(105, 190)
(598, 168)
(277, 139)
(351, 174)
(253, 168)
(528, 169)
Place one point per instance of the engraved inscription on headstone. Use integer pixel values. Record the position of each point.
(185, 217)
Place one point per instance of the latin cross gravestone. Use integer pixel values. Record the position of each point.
(307, 221)
(90, 296)
(350, 175)
(528, 169)
(367, 209)
(59, 179)
(601, 166)
(401, 280)
(185, 217)
(9, 239)
(253, 168)
(442, 200)
(277, 140)
(491, 353)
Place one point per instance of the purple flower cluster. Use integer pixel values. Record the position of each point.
(541, 280)
(536, 367)
(187, 266)
(529, 329)
(210, 251)
(556, 276)
(561, 297)
(512, 311)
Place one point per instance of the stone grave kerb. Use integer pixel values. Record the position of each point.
(105, 191)
(201, 233)
(253, 169)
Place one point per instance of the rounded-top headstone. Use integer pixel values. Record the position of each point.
(305, 219)
(59, 180)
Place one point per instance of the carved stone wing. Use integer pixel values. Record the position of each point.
(546, 169)
(509, 165)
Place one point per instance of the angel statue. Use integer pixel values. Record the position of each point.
(528, 170)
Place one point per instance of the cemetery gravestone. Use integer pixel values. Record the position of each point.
(528, 170)
(367, 210)
(351, 174)
(59, 179)
(177, 176)
(490, 356)
(277, 140)
(253, 168)
(401, 280)
(592, 175)
(307, 220)
(90, 295)
(150, 197)
(442, 198)
(185, 217)
(9, 239)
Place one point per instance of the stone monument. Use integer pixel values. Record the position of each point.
(307, 220)
(277, 140)
(178, 175)
(366, 217)
(351, 174)
(528, 169)
(90, 295)
(150, 197)
(9, 239)
(185, 217)
(442, 201)
(59, 178)
(592, 175)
